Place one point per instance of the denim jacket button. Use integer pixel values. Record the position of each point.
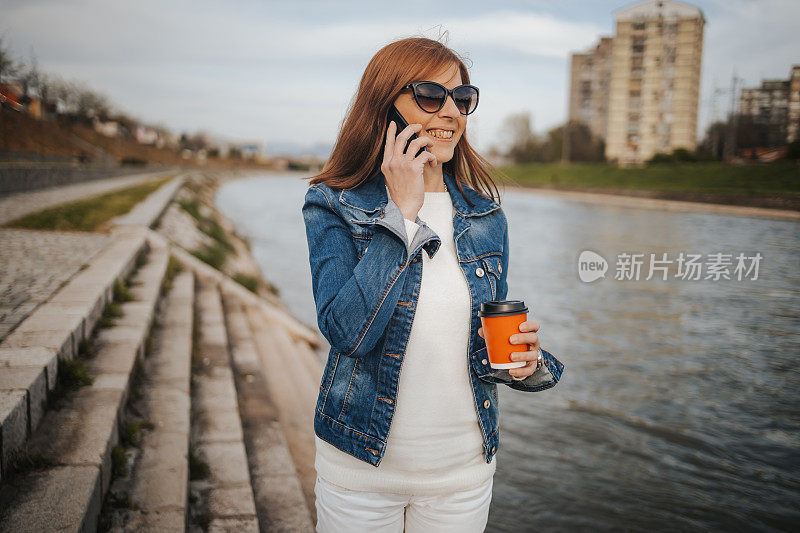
(486, 404)
(494, 449)
(499, 267)
(485, 362)
(479, 272)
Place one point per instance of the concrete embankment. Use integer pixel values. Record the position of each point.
(164, 386)
(624, 199)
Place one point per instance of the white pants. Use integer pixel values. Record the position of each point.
(344, 510)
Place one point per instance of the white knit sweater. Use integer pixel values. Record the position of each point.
(434, 444)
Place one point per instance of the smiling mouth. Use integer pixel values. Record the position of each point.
(440, 134)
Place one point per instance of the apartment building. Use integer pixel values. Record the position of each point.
(640, 89)
(590, 81)
(774, 108)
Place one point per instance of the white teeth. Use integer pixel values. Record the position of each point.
(440, 134)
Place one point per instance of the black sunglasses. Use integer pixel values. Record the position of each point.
(431, 96)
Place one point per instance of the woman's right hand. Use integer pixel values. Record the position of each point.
(402, 171)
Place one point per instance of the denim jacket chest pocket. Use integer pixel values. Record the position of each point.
(361, 240)
(491, 272)
(362, 228)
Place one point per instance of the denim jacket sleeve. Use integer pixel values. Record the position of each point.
(356, 297)
(550, 372)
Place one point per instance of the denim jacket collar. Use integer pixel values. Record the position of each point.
(371, 196)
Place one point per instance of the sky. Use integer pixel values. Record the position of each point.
(283, 73)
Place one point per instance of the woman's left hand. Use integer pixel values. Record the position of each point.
(527, 336)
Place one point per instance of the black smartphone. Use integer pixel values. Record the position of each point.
(394, 115)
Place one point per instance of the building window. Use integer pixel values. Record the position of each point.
(638, 26)
(586, 89)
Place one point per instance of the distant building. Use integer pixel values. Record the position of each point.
(250, 151)
(590, 81)
(146, 135)
(110, 128)
(793, 130)
(775, 108)
(253, 150)
(639, 89)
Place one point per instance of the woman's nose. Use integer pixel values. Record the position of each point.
(449, 109)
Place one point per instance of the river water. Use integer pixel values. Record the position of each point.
(679, 407)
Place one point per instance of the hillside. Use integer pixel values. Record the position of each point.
(22, 137)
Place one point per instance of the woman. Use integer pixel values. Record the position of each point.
(369, 215)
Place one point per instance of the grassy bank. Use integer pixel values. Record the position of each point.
(773, 185)
(89, 214)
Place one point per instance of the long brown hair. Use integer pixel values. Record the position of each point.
(358, 152)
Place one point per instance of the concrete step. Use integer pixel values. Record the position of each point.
(148, 211)
(29, 355)
(78, 438)
(293, 386)
(157, 484)
(224, 499)
(273, 311)
(280, 502)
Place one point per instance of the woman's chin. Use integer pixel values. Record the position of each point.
(443, 155)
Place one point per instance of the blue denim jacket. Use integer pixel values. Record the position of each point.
(366, 278)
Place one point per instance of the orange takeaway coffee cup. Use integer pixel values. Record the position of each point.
(500, 320)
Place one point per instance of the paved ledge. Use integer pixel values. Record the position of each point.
(148, 212)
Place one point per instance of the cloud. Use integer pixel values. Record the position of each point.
(148, 31)
(288, 70)
(255, 73)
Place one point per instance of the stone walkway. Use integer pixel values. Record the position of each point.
(17, 205)
(33, 266)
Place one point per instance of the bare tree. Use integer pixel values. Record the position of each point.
(89, 103)
(523, 144)
(8, 65)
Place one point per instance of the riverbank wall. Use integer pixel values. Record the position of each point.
(643, 200)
